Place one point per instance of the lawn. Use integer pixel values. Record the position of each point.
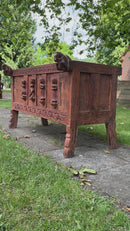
(6, 90)
(122, 124)
(36, 194)
(5, 103)
(122, 127)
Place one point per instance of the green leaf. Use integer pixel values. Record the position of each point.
(87, 170)
(73, 171)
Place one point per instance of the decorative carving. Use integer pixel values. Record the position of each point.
(13, 119)
(111, 134)
(7, 70)
(32, 90)
(44, 113)
(70, 140)
(54, 95)
(42, 87)
(63, 62)
(70, 98)
(24, 94)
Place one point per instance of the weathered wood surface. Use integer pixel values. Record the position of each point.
(69, 92)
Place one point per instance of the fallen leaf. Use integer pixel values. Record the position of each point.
(107, 152)
(85, 180)
(82, 184)
(89, 184)
(82, 176)
(80, 155)
(122, 123)
(6, 137)
(56, 167)
(73, 171)
(87, 170)
(127, 209)
(26, 136)
(81, 170)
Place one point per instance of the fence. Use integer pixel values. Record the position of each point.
(123, 92)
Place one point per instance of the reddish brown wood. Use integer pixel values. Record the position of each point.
(44, 122)
(111, 134)
(70, 140)
(13, 119)
(7, 70)
(0, 89)
(69, 92)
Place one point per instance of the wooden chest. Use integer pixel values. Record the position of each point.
(68, 92)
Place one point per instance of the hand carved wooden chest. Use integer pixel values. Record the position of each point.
(69, 92)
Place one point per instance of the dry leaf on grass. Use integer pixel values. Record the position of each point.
(6, 136)
(127, 209)
(26, 136)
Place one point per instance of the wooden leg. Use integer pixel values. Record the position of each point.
(70, 141)
(13, 119)
(111, 134)
(44, 122)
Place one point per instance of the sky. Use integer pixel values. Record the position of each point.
(66, 36)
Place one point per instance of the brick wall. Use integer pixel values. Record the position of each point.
(125, 66)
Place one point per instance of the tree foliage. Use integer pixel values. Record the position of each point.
(46, 55)
(16, 35)
(105, 25)
(102, 26)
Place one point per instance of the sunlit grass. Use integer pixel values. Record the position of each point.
(5, 103)
(36, 194)
(122, 127)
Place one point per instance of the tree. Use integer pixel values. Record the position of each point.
(111, 31)
(105, 25)
(16, 35)
(46, 55)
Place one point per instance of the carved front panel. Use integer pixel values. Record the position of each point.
(32, 90)
(58, 92)
(44, 95)
(20, 89)
(41, 90)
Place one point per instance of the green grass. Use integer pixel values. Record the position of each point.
(122, 124)
(122, 127)
(5, 103)
(36, 194)
(6, 90)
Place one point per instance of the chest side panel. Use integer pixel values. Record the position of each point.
(96, 97)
